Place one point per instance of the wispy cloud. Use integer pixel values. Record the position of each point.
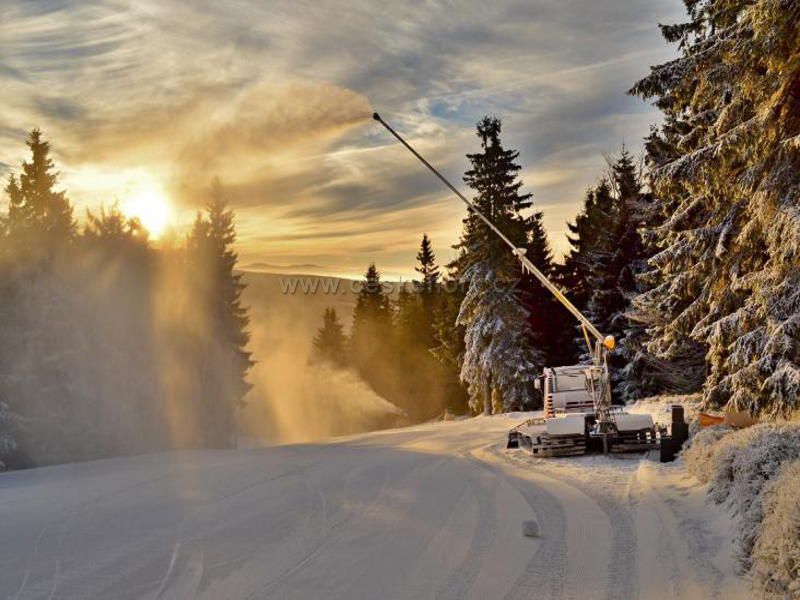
(272, 96)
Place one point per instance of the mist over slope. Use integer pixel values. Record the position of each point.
(293, 400)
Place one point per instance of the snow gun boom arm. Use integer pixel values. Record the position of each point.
(606, 342)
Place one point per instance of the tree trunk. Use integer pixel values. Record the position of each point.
(487, 398)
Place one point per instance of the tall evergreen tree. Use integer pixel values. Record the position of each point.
(371, 334)
(329, 343)
(726, 171)
(233, 315)
(219, 290)
(39, 217)
(428, 290)
(547, 319)
(427, 266)
(604, 272)
(637, 373)
(499, 363)
(448, 342)
(39, 326)
(592, 243)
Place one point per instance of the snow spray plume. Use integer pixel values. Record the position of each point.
(293, 400)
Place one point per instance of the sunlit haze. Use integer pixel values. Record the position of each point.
(274, 98)
(150, 205)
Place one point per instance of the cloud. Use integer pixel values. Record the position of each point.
(272, 96)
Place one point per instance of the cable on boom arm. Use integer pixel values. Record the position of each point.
(604, 342)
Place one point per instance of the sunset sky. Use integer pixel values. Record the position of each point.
(154, 98)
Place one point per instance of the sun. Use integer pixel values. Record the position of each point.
(148, 203)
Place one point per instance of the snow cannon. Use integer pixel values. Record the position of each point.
(578, 400)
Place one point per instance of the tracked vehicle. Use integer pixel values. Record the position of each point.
(578, 410)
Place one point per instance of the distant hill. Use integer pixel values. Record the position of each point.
(268, 268)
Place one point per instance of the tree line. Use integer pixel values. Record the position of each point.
(393, 338)
(108, 344)
(692, 261)
(476, 339)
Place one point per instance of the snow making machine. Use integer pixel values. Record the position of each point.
(576, 418)
(579, 414)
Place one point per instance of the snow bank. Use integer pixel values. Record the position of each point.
(702, 449)
(753, 468)
(660, 407)
(738, 466)
(776, 555)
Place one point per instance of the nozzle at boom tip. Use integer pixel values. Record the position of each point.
(376, 116)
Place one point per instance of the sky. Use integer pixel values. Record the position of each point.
(274, 98)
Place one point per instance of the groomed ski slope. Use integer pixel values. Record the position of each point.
(433, 511)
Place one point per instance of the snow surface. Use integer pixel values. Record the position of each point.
(432, 511)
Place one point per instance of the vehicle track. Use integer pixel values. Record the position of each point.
(545, 573)
(332, 533)
(433, 514)
(464, 575)
(622, 572)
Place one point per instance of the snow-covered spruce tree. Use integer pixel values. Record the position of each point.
(635, 373)
(448, 348)
(726, 166)
(499, 363)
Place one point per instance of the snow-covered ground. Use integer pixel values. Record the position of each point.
(433, 511)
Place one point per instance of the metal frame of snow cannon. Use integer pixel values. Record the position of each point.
(558, 439)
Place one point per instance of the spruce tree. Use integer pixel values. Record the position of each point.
(428, 290)
(725, 170)
(605, 270)
(234, 319)
(38, 322)
(373, 308)
(448, 343)
(217, 293)
(585, 273)
(499, 360)
(372, 335)
(39, 217)
(571, 274)
(547, 319)
(329, 343)
(427, 266)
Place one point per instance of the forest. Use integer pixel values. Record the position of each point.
(691, 259)
(109, 345)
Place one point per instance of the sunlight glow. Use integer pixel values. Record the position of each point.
(150, 205)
